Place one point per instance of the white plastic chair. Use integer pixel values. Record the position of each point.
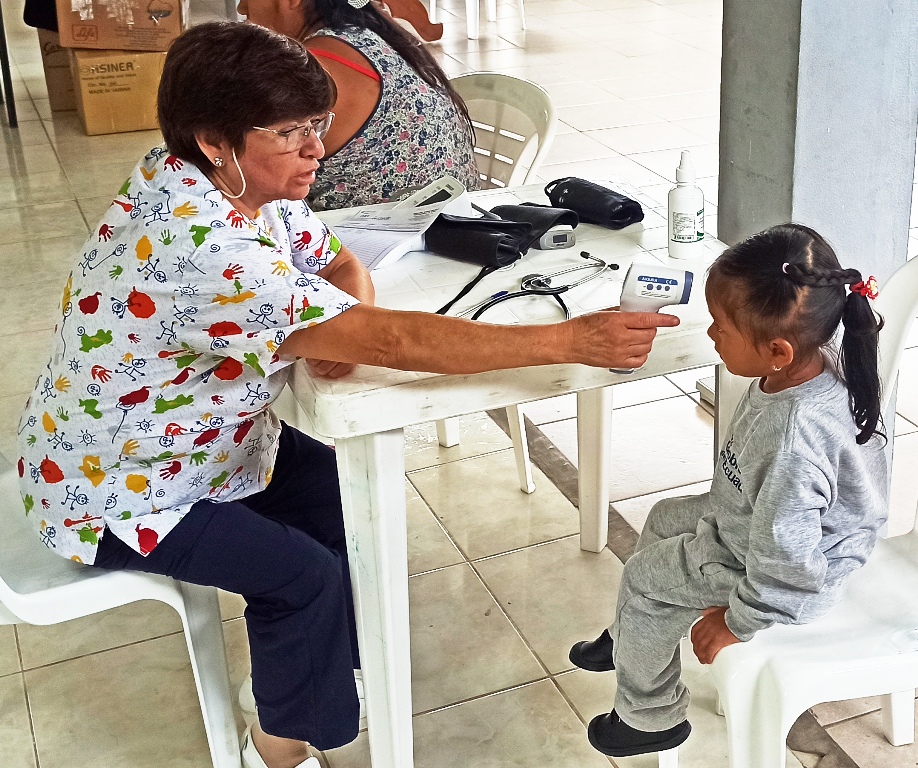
(515, 124)
(39, 587)
(867, 645)
(471, 14)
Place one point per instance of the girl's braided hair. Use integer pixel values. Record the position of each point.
(786, 282)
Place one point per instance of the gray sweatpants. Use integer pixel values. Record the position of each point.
(678, 569)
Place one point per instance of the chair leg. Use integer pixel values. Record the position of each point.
(898, 711)
(755, 738)
(756, 745)
(471, 18)
(520, 448)
(669, 758)
(204, 635)
(448, 432)
(522, 15)
(491, 10)
(7, 77)
(718, 704)
(433, 12)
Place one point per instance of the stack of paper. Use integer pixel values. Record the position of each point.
(381, 236)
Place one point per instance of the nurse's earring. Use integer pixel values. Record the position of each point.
(218, 162)
(776, 368)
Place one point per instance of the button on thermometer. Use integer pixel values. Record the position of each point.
(648, 287)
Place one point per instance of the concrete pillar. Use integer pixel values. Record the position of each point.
(819, 108)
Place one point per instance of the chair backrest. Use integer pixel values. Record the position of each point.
(897, 303)
(515, 123)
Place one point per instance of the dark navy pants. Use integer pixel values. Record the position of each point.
(283, 550)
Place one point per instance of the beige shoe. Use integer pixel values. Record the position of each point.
(252, 759)
(247, 698)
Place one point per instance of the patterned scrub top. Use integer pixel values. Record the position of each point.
(414, 136)
(158, 391)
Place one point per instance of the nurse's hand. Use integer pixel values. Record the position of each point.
(613, 339)
(329, 369)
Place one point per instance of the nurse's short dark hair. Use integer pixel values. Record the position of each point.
(222, 78)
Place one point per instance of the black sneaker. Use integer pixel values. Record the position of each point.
(615, 738)
(593, 655)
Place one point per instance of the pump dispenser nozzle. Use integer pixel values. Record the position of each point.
(685, 173)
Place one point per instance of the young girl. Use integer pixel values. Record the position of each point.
(799, 490)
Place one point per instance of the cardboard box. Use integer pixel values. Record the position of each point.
(125, 25)
(116, 90)
(56, 63)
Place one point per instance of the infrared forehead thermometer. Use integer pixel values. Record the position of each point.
(648, 287)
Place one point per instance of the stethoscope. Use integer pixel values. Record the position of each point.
(541, 285)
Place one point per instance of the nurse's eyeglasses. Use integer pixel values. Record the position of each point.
(294, 138)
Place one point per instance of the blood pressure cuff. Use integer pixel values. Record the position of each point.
(540, 217)
(486, 242)
(492, 241)
(594, 203)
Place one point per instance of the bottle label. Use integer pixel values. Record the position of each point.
(687, 227)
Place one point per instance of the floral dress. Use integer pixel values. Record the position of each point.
(414, 136)
(158, 391)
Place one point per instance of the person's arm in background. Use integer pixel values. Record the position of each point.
(420, 341)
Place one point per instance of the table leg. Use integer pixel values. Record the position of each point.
(372, 477)
(517, 424)
(594, 436)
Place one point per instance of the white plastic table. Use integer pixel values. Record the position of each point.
(366, 413)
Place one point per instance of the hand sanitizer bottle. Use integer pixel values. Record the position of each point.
(685, 213)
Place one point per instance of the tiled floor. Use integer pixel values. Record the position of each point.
(499, 587)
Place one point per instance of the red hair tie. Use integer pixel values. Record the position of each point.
(868, 289)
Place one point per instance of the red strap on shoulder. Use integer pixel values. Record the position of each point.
(372, 74)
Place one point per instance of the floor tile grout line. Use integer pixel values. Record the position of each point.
(28, 703)
(459, 549)
(410, 472)
(87, 654)
(549, 675)
(480, 696)
(680, 393)
(512, 623)
(443, 528)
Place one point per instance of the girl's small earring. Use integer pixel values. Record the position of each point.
(775, 368)
(218, 161)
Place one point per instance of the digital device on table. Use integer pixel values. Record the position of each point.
(438, 192)
(559, 236)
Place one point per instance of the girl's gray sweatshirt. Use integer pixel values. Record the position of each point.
(795, 499)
